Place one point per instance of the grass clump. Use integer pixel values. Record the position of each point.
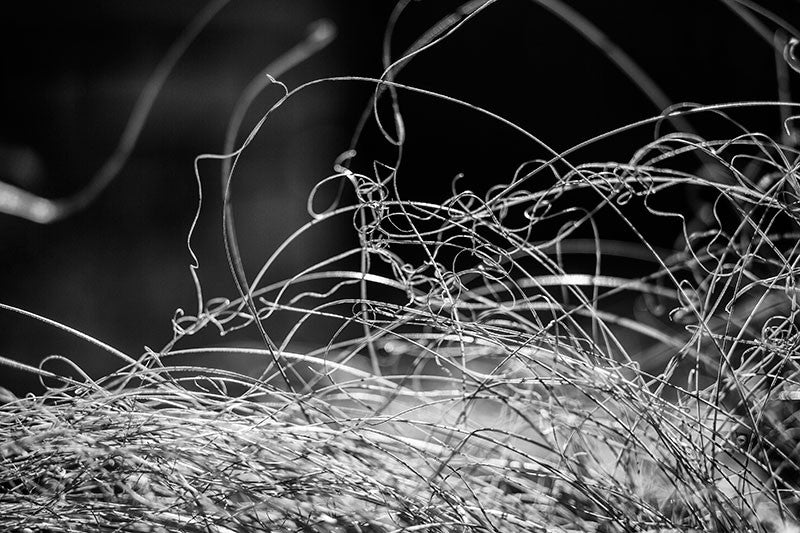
(499, 361)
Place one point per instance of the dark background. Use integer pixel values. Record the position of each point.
(119, 269)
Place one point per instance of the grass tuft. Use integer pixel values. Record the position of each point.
(589, 346)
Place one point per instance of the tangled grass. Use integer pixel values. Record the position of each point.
(500, 362)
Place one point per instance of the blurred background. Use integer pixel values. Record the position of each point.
(119, 269)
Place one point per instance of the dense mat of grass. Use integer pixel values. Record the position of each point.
(501, 361)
